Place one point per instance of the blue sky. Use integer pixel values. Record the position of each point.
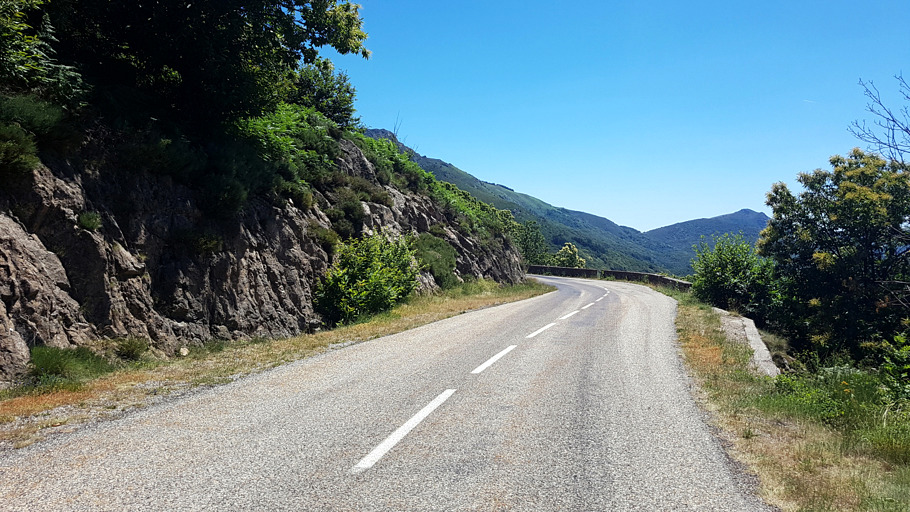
(646, 113)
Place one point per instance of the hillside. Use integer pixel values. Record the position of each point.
(602, 242)
(683, 234)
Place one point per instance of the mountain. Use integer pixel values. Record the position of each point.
(683, 235)
(602, 242)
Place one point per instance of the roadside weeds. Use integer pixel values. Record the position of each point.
(802, 464)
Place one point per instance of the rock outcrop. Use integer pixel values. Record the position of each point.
(159, 269)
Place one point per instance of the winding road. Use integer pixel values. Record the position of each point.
(574, 400)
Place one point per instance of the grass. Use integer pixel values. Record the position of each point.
(26, 412)
(818, 442)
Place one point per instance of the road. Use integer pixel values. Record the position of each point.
(574, 400)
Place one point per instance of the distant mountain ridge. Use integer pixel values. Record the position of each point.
(602, 242)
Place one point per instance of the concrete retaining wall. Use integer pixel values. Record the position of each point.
(590, 273)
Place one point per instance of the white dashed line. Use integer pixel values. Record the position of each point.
(567, 316)
(538, 331)
(493, 359)
(600, 299)
(589, 305)
(390, 442)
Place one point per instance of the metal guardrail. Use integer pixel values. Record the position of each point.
(591, 273)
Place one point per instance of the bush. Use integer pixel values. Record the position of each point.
(90, 221)
(71, 364)
(729, 274)
(347, 214)
(18, 154)
(131, 348)
(327, 238)
(37, 116)
(370, 275)
(438, 256)
(568, 257)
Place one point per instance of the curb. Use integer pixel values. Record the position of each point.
(761, 358)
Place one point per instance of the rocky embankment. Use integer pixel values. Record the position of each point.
(157, 268)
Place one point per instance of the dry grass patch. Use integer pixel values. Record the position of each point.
(25, 413)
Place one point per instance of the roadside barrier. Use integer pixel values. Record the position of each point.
(591, 273)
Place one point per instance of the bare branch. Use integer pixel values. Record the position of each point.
(890, 131)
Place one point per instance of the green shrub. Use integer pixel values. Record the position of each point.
(729, 274)
(370, 275)
(347, 213)
(568, 257)
(296, 191)
(895, 369)
(18, 153)
(370, 192)
(160, 154)
(130, 348)
(39, 117)
(71, 364)
(438, 256)
(90, 221)
(327, 238)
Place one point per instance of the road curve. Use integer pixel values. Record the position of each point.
(575, 400)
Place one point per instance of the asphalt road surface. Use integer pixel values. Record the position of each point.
(575, 400)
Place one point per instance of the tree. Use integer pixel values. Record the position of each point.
(568, 257)
(890, 131)
(318, 86)
(842, 252)
(27, 61)
(208, 61)
(730, 274)
(531, 243)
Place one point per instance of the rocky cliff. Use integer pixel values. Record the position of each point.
(157, 268)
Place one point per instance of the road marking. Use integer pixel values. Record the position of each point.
(567, 316)
(493, 359)
(390, 442)
(538, 331)
(600, 299)
(589, 305)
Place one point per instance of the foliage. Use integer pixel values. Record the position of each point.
(841, 253)
(347, 214)
(71, 364)
(318, 86)
(90, 221)
(27, 61)
(327, 239)
(438, 256)
(531, 243)
(849, 400)
(729, 274)
(28, 124)
(370, 275)
(131, 348)
(895, 369)
(18, 154)
(207, 62)
(568, 257)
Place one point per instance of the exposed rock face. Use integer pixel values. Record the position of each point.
(158, 269)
